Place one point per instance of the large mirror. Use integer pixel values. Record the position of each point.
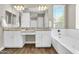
(64, 16)
(10, 18)
(59, 16)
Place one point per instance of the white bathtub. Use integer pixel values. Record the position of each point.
(67, 42)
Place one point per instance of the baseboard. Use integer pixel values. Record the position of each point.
(21, 46)
(1, 48)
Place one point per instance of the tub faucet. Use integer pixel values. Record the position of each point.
(58, 30)
(59, 33)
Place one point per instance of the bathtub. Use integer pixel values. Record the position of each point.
(67, 42)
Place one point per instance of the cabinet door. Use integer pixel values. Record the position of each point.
(43, 39)
(18, 41)
(12, 39)
(25, 20)
(38, 39)
(8, 38)
(46, 39)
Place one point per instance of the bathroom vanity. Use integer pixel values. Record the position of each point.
(13, 38)
(27, 30)
(16, 38)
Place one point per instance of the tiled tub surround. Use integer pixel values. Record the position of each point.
(67, 42)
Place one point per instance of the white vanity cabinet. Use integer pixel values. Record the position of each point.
(43, 39)
(25, 20)
(13, 39)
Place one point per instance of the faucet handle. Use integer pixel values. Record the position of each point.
(58, 30)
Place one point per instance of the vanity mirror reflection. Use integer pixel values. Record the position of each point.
(35, 19)
(9, 20)
(54, 16)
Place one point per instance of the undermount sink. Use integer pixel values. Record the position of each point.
(29, 30)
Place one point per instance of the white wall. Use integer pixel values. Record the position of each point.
(1, 31)
(71, 16)
(1, 38)
(3, 8)
(77, 16)
(6, 7)
(46, 23)
(50, 15)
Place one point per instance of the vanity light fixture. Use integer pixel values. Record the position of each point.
(19, 7)
(41, 8)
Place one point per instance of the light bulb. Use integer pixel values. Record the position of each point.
(41, 8)
(15, 7)
(44, 7)
(19, 7)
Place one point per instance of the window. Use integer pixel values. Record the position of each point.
(10, 18)
(59, 16)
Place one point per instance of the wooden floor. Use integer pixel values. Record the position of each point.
(30, 49)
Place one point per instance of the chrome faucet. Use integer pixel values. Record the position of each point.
(59, 34)
(58, 30)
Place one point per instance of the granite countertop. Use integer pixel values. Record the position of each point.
(11, 29)
(26, 29)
